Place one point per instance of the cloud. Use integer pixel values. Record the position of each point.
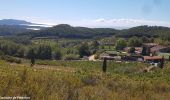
(118, 23)
(101, 22)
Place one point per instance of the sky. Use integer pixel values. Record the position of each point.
(89, 13)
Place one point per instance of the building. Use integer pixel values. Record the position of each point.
(152, 59)
(158, 48)
(110, 55)
(150, 45)
(138, 50)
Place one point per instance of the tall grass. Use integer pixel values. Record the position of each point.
(46, 84)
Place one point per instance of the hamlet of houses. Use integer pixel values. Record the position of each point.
(149, 52)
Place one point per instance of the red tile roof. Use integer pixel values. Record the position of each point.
(152, 58)
(158, 48)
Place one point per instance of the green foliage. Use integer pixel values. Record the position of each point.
(104, 65)
(146, 51)
(47, 84)
(12, 49)
(120, 44)
(31, 55)
(139, 31)
(145, 39)
(58, 55)
(84, 50)
(44, 52)
(67, 31)
(19, 39)
(132, 50)
(11, 30)
(10, 59)
(134, 42)
(165, 36)
(71, 57)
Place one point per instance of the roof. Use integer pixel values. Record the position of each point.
(150, 44)
(158, 48)
(107, 57)
(152, 57)
(138, 49)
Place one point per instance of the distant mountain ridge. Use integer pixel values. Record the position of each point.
(14, 22)
(20, 27)
(13, 26)
(67, 31)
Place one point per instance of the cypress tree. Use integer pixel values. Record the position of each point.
(31, 56)
(104, 65)
(162, 62)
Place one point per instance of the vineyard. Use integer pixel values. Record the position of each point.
(82, 80)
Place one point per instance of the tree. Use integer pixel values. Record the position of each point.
(44, 52)
(104, 65)
(162, 62)
(145, 39)
(95, 44)
(146, 51)
(132, 50)
(152, 39)
(121, 44)
(31, 55)
(12, 49)
(165, 36)
(134, 42)
(58, 55)
(84, 50)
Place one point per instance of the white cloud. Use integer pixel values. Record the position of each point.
(116, 23)
(101, 22)
(124, 23)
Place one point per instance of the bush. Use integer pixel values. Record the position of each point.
(71, 57)
(58, 55)
(11, 59)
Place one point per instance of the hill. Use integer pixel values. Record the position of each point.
(11, 29)
(67, 31)
(14, 22)
(148, 31)
(21, 27)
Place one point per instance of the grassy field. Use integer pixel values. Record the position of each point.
(80, 80)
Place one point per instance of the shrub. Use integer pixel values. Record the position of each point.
(58, 55)
(71, 57)
(11, 59)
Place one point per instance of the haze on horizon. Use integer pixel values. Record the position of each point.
(89, 13)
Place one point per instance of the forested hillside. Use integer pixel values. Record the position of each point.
(148, 31)
(13, 27)
(11, 30)
(67, 31)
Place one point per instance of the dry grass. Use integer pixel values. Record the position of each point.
(41, 83)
